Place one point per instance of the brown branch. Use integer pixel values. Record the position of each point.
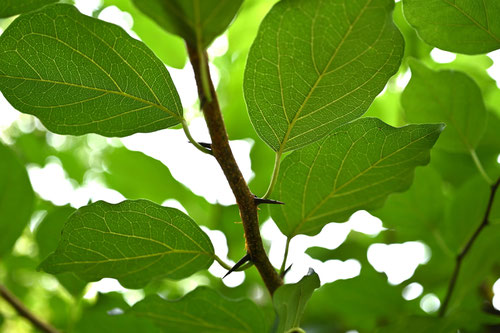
(467, 247)
(24, 312)
(224, 156)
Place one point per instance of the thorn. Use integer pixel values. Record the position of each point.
(243, 260)
(259, 201)
(282, 275)
(205, 145)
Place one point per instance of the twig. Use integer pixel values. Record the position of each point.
(467, 247)
(24, 312)
(224, 156)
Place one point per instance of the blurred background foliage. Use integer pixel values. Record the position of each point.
(436, 210)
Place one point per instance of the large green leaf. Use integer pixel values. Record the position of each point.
(446, 96)
(290, 301)
(16, 199)
(197, 21)
(133, 241)
(14, 7)
(82, 75)
(466, 26)
(354, 168)
(316, 65)
(202, 310)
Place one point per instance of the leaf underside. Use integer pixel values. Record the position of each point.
(81, 75)
(470, 27)
(316, 65)
(202, 310)
(133, 241)
(354, 168)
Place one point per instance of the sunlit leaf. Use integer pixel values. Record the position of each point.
(469, 26)
(307, 75)
(14, 7)
(16, 199)
(290, 301)
(202, 310)
(446, 96)
(354, 168)
(133, 241)
(82, 75)
(197, 21)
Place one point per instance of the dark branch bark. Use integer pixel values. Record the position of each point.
(222, 152)
(467, 248)
(24, 312)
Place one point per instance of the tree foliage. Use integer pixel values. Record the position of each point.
(346, 97)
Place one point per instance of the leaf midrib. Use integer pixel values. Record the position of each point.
(476, 23)
(124, 94)
(320, 77)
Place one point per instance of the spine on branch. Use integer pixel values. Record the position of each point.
(224, 156)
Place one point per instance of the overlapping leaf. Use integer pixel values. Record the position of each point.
(133, 241)
(197, 21)
(169, 48)
(202, 310)
(16, 199)
(82, 75)
(47, 236)
(469, 26)
(354, 168)
(446, 96)
(290, 301)
(15, 7)
(316, 65)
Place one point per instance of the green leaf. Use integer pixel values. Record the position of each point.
(16, 199)
(416, 212)
(14, 7)
(81, 75)
(359, 303)
(133, 241)
(446, 96)
(316, 65)
(354, 168)
(202, 310)
(199, 22)
(169, 48)
(465, 213)
(107, 315)
(290, 301)
(47, 236)
(469, 26)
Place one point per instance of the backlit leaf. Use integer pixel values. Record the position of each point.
(82, 75)
(446, 96)
(290, 301)
(316, 65)
(133, 241)
(16, 199)
(354, 168)
(199, 22)
(202, 310)
(466, 26)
